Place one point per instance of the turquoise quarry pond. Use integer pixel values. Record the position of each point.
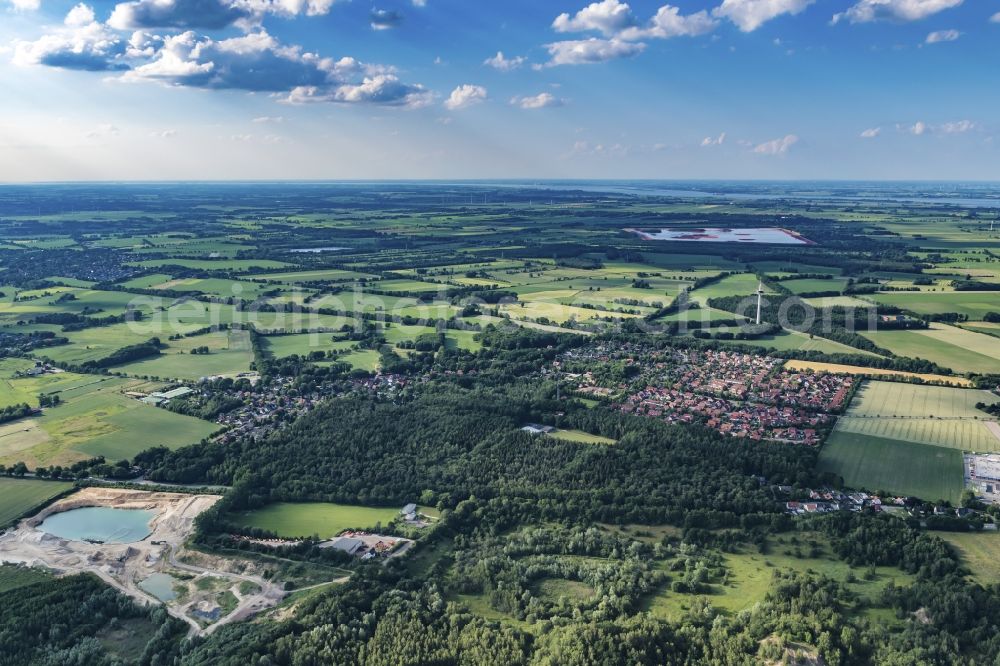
(161, 586)
(99, 523)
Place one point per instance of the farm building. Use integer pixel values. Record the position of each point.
(349, 545)
(536, 429)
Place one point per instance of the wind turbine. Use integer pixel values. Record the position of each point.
(760, 299)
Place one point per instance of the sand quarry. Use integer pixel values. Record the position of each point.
(207, 595)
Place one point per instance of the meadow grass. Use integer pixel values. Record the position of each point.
(973, 304)
(96, 418)
(12, 577)
(947, 353)
(304, 519)
(323, 275)
(235, 265)
(964, 435)
(19, 496)
(905, 468)
(580, 437)
(978, 552)
(893, 399)
(808, 285)
(229, 354)
(837, 368)
(751, 574)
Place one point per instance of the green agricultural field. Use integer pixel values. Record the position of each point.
(810, 285)
(97, 303)
(19, 390)
(794, 340)
(291, 520)
(230, 354)
(147, 281)
(973, 304)
(363, 359)
(891, 399)
(303, 344)
(557, 313)
(962, 434)
(986, 328)
(946, 349)
(580, 437)
(906, 468)
(837, 302)
(19, 496)
(95, 418)
(234, 265)
(12, 577)
(751, 574)
(326, 275)
(405, 286)
(215, 287)
(741, 284)
(92, 344)
(978, 552)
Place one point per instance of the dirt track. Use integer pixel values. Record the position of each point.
(124, 566)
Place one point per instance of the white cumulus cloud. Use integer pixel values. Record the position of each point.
(668, 23)
(465, 96)
(608, 16)
(26, 5)
(871, 132)
(776, 146)
(540, 101)
(82, 44)
(957, 127)
(748, 15)
(866, 11)
(939, 36)
(177, 14)
(590, 51)
(503, 63)
(713, 141)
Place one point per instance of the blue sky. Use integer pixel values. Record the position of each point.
(348, 89)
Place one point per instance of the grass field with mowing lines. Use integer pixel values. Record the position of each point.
(973, 304)
(325, 275)
(945, 352)
(793, 340)
(18, 496)
(95, 418)
(283, 346)
(236, 265)
(962, 434)
(408, 286)
(290, 520)
(580, 437)
(741, 284)
(811, 285)
(906, 468)
(837, 368)
(890, 399)
(229, 354)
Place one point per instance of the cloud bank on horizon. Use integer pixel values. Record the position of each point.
(651, 79)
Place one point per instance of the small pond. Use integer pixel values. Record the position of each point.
(100, 524)
(161, 586)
